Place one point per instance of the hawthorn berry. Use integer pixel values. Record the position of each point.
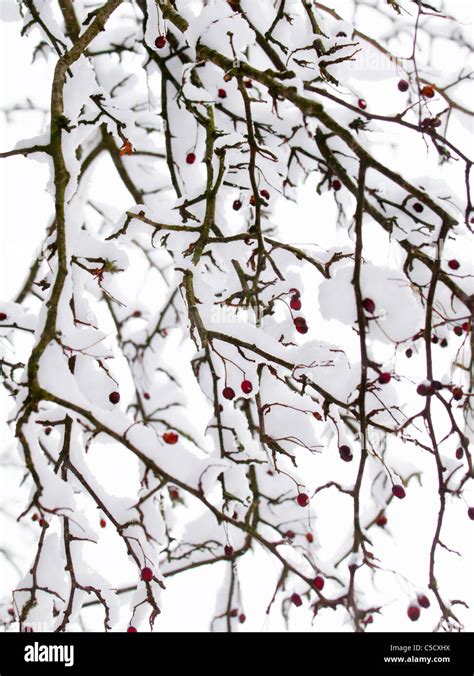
(336, 184)
(147, 574)
(418, 207)
(290, 534)
(434, 339)
(237, 204)
(302, 499)
(246, 386)
(160, 42)
(131, 630)
(345, 453)
(103, 523)
(424, 390)
(381, 520)
(428, 91)
(228, 551)
(190, 158)
(252, 200)
(423, 601)
(309, 537)
(295, 303)
(403, 85)
(368, 305)
(221, 93)
(34, 517)
(362, 103)
(170, 437)
(242, 618)
(146, 396)
(295, 292)
(444, 342)
(296, 599)
(436, 385)
(457, 393)
(302, 328)
(3, 316)
(248, 83)
(398, 491)
(454, 264)
(265, 194)
(459, 453)
(48, 431)
(384, 378)
(458, 330)
(470, 513)
(409, 353)
(318, 582)
(466, 327)
(413, 613)
(114, 397)
(228, 393)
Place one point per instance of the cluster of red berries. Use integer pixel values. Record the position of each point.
(295, 304)
(235, 613)
(413, 611)
(229, 392)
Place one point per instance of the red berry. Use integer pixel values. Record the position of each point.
(310, 537)
(34, 517)
(146, 396)
(147, 574)
(398, 491)
(228, 551)
(43, 523)
(237, 205)
(454, 264)
(136, 314)
(296, 599)
(103, 523)
(319, 582)
(403, 85)
(457, 393)
(3, 316)
(170, 437)
(418, 207)
(160, 42)
(362, 103)
(131, 630)
(248, 83)
(242, 618)
(302, 499)
(466, 327)
(409, 353)
(345, 453)
(458, 330)
(246, 386)
(424, 390)
(470, 513)
(384, 378)
(302, 328)
(114, 397)
(381, 521)
(413, 613)
(459, 453)
(234, 612)
(221, 93)
(368, 305)
(336, 184)
(265, 194)
(190, 158)
(228, 393)
(290, 534)
(423, 601)
(295, 303)
(295, 292)
(252, 200)
(444, 342)
(48, 431)
(11, 612)
(436, 385)
(428, 91)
